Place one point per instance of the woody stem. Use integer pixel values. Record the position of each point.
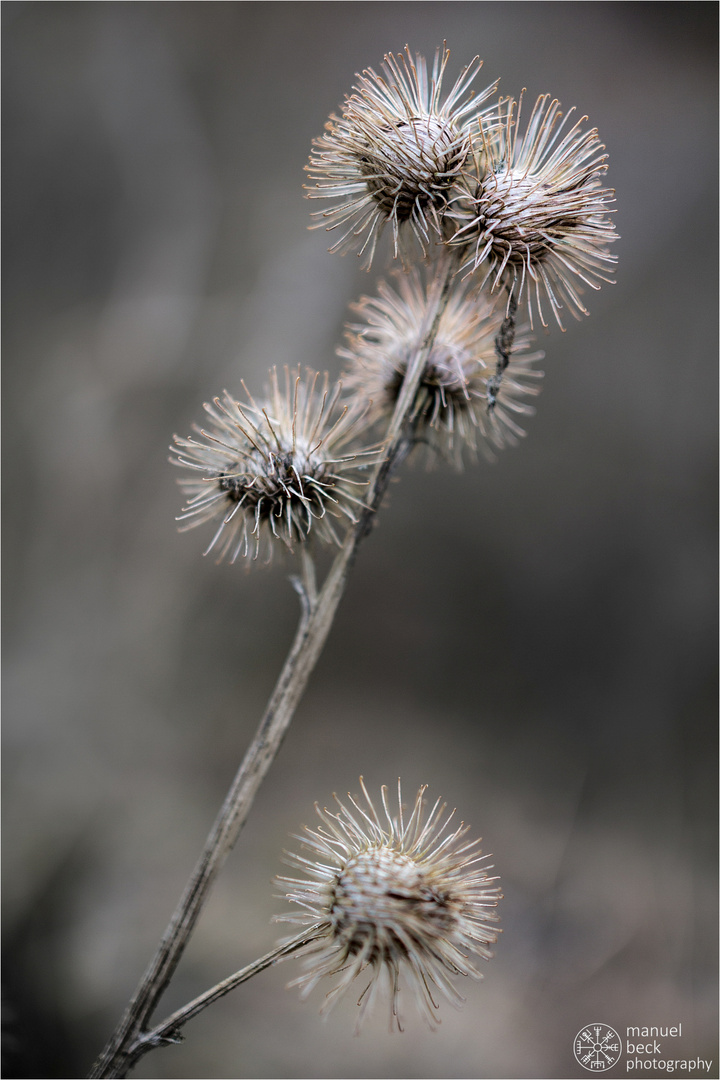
(129, 1041)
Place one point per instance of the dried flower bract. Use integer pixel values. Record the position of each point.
(537, 219)
(276, 470)
(394, 153)
(397, 899)
(462, 392)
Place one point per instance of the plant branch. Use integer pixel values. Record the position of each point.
(168, 1031)
(127, 1044)
(503, 347)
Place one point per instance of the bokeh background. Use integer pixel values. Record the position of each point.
(536, 639)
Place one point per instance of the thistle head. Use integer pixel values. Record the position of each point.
(277, 470)
(392, 157)
(396, 899)
(535, 221)
(463, 393)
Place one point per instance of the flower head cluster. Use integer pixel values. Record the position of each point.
(397, 899)
(276, 470)
(393, 155)
(505, 217)
(528, 213)
(535, 219)
(465, 391)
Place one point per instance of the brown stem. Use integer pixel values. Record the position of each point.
(168, 1032)
(503, 347)
(126, 1045)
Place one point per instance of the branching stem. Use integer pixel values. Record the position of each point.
(168, 1032)
(132, 1038)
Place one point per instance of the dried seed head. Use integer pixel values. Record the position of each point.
(536, 221)
(394, 153)
(275, 470)
(393, 898)
(463, 391)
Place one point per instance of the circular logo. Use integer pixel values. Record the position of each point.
(597, 1047)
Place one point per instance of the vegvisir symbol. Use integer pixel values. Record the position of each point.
(597, 1047)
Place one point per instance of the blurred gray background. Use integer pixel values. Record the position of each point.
(536, 639)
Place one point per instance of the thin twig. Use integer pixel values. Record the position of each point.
(126, 1045)
(168, 1032)
(503, 347)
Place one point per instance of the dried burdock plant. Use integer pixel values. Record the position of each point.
(534, 218)
(274, 471)
(392, 901)
(402, 902)
(435, 358)
(463, 394)
(392, 157)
